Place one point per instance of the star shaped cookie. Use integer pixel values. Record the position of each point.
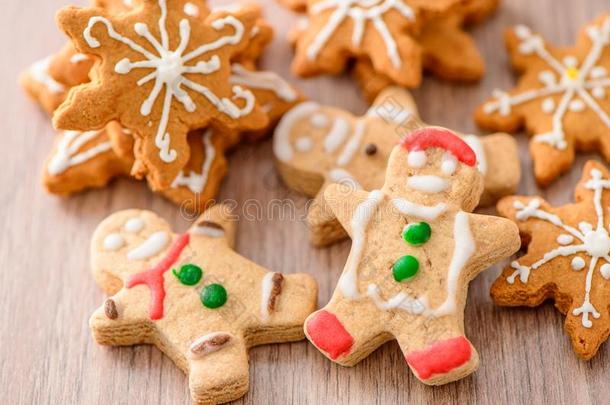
(561, 97)
(567, 259)
(163, 72)
(193, 297)
(415, 248)
(317, 145)
(380, 30)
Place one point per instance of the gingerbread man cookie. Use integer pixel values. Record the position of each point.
(163, 72)
(567, 259)
(193, 297)
(561, 97)
(415, 248)
(318, 145)
(380, 30)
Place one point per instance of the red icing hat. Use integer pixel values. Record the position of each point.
(432, 137)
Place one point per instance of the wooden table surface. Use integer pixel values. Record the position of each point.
(47, 355)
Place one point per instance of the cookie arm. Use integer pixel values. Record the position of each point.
(343, 201)
(491, 247)
(218, 221)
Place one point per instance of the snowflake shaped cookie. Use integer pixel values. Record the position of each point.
(396, 283)
(194, 297)
(567, 259)
(163, 73)
(380, 30)
(562, 97)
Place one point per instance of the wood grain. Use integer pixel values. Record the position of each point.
(47, 355)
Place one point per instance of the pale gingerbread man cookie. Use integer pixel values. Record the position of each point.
(415, 248)
(567, 259)
(319, 145)
(561, 97)
(193, 297)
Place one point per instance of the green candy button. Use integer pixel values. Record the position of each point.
(213, 296)
(189, 274)
(417, 234)
(405, 268)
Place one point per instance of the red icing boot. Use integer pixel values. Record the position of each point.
(328, 334)
(440, 357)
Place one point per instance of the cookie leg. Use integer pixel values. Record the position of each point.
(218, 368)
(438, 352)
(346, 331)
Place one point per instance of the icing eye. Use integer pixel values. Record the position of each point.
(304, 143)
(319, 120)
(416, 159)
(449, 164)
(370, 149)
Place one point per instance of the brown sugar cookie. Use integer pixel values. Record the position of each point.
(567, 259)
(192, 296)
(449, 52)
(561, 97)
(318, 145)
(82, 160)
(163, 72)
(415, 248)
(380, 30)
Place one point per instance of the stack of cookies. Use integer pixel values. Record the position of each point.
(388, 42)
(156, 90)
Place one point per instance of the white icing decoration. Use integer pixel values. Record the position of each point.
(548, 105)
(304, 144)
(463, 249)
(67, 153)
(191, 10)
(281, 139)
(266, 288)
(113, 241)
(134, 225)
(584, 83)
(342, 176)
(336, 135)
(152, 246)
(449, 164)
(209, 231)
(169, 68)
(264, 81)
(591, 240)
(319, 120)
(578, 263)
(352, 145)
(477, 147)
(565, 239)
(78, 57)
(362, 12)
(194, 181)
(605, 270)
(428, 184)
(416, 159)
(40, 72)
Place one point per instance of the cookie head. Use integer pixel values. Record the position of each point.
(434, 164)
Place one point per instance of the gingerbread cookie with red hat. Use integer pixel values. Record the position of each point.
(567, 259)
(193, 297)
(318, 145)
(415, 248)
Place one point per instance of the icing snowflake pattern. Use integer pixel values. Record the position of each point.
(170, 66)
(361, 12)
(580, 86)
(592, 240)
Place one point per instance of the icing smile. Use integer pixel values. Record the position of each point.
(428, 183)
